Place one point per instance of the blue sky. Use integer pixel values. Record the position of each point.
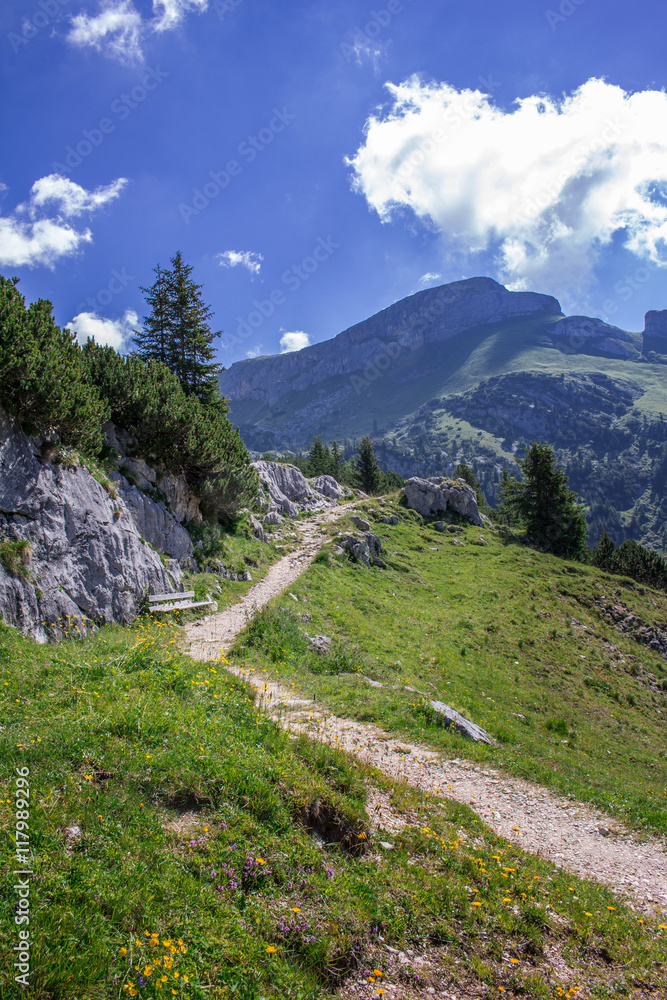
(346, 154)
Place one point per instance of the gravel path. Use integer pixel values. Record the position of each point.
(578, 838)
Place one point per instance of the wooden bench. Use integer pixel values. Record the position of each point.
(176, 602)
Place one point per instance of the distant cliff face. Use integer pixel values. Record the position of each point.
(655, 331)
(429, 317)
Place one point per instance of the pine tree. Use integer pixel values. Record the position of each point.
(177, 331)
(552, 516)
(336, 461)
(319, 460)
(154, 341)
(368, 470)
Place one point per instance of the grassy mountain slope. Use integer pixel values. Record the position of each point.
(171, 850)
(522, 643)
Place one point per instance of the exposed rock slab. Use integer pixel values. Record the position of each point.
(576, 332)
(437, 495)
(454, 720)
(655, 330)
(88, 560)
(154, 522)
(365, 550)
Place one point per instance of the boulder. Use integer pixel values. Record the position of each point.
(87, 561)
(360, 523)
(288, 489)
(457, 722)
(257, 529)
(273, 517)
(437, 495)
(328, 487)
(365, 550)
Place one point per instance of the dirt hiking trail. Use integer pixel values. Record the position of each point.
(576, 837)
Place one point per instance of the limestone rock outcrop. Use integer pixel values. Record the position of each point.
(577, 332)
(87, 559)
(655, 331)
(154, 522)
(328, 487)
(289, 492)
(438, 495)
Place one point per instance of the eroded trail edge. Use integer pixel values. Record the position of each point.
(573, 836)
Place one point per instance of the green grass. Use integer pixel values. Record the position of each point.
(509, 637)
(15, 557)
(192, 850)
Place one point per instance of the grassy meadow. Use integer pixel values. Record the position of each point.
(511, 638)
(184, 846)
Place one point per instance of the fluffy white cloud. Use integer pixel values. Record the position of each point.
(254, 352)
(294, 341)
(116, 31)
(546, 186)
(249, 259)
(26, 238)
(429, 278)
(112, 332)
(71, 198)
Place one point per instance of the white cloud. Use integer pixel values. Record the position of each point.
(26, 239)
(170, 13)
(546, 186)
(249, 259)
(254, 352)
(116, 31)
(294, 341)
(429, 278)
(112, 332)
(72, 199)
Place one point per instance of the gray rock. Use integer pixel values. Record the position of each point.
(453, 720)
(360, 523)
(319, 643)
(437, 495)
(175, 571)
(655, 330)
(88, 560)
(154, 522)
(328, 487)
(440, 526)
(257, 529)
(288, 489)
(364, 550)
(582, 332)
(273, 517)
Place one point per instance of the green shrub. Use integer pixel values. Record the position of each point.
(630, 559)
(44, 381)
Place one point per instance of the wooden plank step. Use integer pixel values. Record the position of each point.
(178, 596)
